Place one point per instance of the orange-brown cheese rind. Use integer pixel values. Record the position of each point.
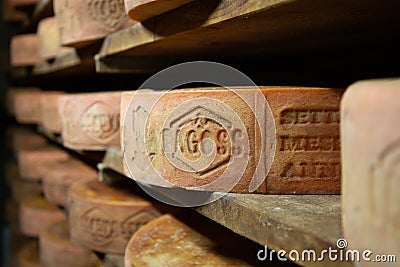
(104, 218)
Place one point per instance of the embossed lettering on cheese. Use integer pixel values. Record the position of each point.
(309, 143)
(310, 116)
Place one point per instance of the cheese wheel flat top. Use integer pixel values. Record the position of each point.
(96, 191)
(168, 242)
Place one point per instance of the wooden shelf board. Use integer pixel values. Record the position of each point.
(132, 64)
(75, 61)
(285, 222)
(66, 61)
(255, 29)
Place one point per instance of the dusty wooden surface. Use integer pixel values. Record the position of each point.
(69, 61)
(277, 221)
(61, 62)
(281, 222)
(252, 28)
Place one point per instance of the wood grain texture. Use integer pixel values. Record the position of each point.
(141, 10)
(248, 29)
(282, 222)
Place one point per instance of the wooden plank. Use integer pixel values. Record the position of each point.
(254, 28)
(132, 64)
(69, 61)
(113, 159)
(65, 61)
(284, 222)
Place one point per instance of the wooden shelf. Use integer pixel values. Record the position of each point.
(63, 62)
(284, 222)
(74, 61)
(253, 29)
